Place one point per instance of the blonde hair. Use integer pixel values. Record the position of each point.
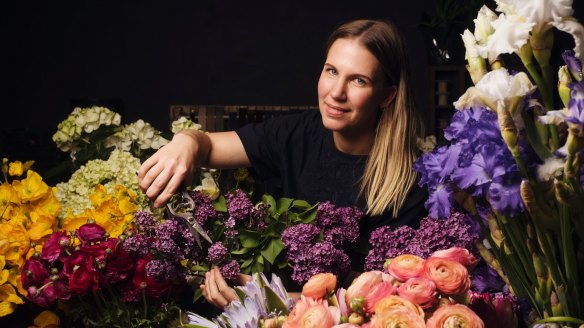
(388, 175)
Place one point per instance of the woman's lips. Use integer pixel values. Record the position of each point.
(335, 111)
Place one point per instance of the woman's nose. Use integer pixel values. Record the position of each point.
(338, 91)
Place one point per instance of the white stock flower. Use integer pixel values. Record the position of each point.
(183, 123)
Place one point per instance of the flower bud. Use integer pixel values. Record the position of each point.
(575, 142)
(541, 270)
(54, 271)
(356, 318)
(36, 255)
(565, 194)
(564, 80)
(526, 54)
(508, 129)
(54, 278)
(357, 304)
(386, 264)
(90, 221)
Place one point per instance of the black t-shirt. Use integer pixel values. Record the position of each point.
(297, 150)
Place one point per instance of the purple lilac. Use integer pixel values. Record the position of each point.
(162, 270)
(217, 252)
(230, 271)
(137, 244)
(299, 237)
(340, 225)
(239, 205)
(144, 221)
(387, 243)
(322, 257)
(204, 209)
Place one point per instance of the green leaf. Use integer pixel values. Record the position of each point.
(308, 216)
(249, 239)
(283, 204)
(258, 266)
(241, 251)
(273, 302)
(270, 201)
(198, 267)
(246, 263)
(220, 204)
(301, 204)
(240, 293)
(272, 250)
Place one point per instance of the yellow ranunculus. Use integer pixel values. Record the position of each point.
(47, 319)
(14, 242)
(31, 188)
(42, 226)
(47, 205)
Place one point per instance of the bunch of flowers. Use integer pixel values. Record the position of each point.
(28, 215)
(317, 246)
(458, 230)
(262, 303)
(514, 161)
(113, 282)
(411, 292)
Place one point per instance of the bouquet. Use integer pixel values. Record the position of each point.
(28, 215)
(514, 161)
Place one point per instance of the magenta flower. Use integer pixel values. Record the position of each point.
(91, 232)
(54, 247)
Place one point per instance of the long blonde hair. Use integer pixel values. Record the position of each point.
(388, 175)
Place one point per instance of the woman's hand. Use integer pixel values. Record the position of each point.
(217, 292)
(162, 174)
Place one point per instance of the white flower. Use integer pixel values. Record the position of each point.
(119, 169)
(483, 25)
(208, 186)
(552, 168)
(495, 86)
(427, 144)
(542, 15)
(511, 33)
(183, 123)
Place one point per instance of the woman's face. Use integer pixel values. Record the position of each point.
(351, 89)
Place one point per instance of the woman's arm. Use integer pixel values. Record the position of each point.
(162, 174)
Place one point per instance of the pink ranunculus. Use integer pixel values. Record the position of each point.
(342, 301)
(419, 290)
(347, 325)
(451, 277)
(118, 266)
(303, 304)
(54, 247)
(362, 285)
(91, 232)
(462, 315)
(406, 266)
(376, 293)
(74, 260)
(397, 317)
(33, 273)
(319, 285)
(141, 279)
(461, 255)
(317, 316)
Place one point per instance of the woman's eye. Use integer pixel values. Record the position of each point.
(359, 81)
(331, 71)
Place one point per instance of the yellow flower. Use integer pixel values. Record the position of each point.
(15, 169)
(8, 300)
(47, 319)
(42, 226)
(73, 222)
(48, 205)
(99, 195)
(31, 188)
(8, 201)
(14, 242)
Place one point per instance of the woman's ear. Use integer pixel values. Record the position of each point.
(391, 91)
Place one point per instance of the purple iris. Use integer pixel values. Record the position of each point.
(573, 63)
(576, 108)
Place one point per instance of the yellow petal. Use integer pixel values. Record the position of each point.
(41, 228)
(15, 169)
(4, 275)
(46, 319)
(8, 294)
(6, 308)
(31, 188)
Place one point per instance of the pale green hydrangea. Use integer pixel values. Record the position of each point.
(140, 134)
(82, 121)
(183, 123)
(119, 169)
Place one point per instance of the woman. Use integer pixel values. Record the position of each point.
(358, 149)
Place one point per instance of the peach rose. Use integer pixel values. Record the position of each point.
(362, 285)
(376, 293)
(396, 302)
(319, 285)
(346, 325)
(457, 315)
(451, 277)
(406, 266)
(458, 254)
(419, 290)
(397, 317)
(315, 317)
(301, 307)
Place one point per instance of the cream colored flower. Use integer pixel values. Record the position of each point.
(183, 123)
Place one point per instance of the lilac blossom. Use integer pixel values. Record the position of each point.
(217, 252)
(203, 209)
(321, 257)
(145, 222)
(230, 270)
(239, 205)
(162, 270)
(299, 237)
(340, 225)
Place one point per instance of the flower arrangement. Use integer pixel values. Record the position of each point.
(113, 282)
(28, 215)
(514, 162)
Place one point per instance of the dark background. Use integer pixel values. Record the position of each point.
(148, 55)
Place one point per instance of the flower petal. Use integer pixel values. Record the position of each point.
(573, 27)
(511, 33)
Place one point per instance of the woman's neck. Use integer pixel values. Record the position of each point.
(354, 145)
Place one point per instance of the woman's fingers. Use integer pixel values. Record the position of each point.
(214, 294)
(227, 292)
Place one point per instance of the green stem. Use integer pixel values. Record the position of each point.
(559, 319)
(570, 263)
(533, 136)
(519, 244)
(144, 303)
